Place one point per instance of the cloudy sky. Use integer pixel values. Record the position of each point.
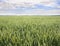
(34, 7)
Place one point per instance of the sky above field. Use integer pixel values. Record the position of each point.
(34, 7)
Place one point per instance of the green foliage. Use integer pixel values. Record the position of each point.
(29, 30)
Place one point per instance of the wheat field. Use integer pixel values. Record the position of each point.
(29, 30)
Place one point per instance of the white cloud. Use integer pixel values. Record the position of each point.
(22, 1)
(44, 2)
(6, 6)
(43, 12)
(28, 3)
(34, 12)
(13, 4)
